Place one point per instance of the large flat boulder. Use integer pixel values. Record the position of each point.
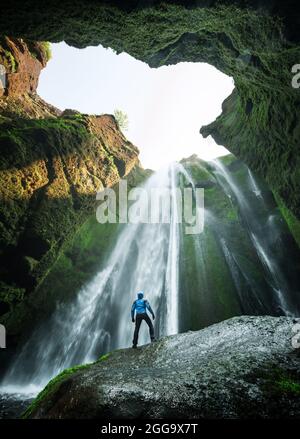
(241, 368)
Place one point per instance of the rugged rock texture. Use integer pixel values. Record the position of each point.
(274, 151)
(255, 41)
(22, 62)
(244, 367)
(51, 166)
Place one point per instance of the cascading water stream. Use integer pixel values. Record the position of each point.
(145, 257)
(254, 185)
(274, 272)
(172, 263)
(182, 276)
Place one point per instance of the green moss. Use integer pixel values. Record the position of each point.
(288, 385)
(55, 382)
(292, 222)
(12, 63)
(247, 136)
(197, 169)
(46, 47)
(227, 160)
(39, 50)
(279, 382)
(223, 208)
(220, 279)
(205, 281)
(11, 295)
(232, 214)
(51, 387)
(104, 357)
(77, 263)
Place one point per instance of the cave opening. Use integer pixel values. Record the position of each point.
(165, 106)
(246, 262)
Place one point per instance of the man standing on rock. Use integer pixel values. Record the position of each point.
(140, 307)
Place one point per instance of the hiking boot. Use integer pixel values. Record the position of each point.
(134, 346)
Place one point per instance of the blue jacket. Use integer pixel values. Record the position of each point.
(141, 306)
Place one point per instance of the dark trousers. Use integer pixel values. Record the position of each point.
(138, 320)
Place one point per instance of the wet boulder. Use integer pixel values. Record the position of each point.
(244, 367)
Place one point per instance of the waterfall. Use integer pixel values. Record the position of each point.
(191, 281)
(145, 257)
(259, 238)
(277, 280)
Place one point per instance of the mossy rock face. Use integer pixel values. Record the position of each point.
(75, 263)
(55, 383)
(50, 172)
(51, 387)
(272, 156)
(292, 221)
(256, 43)
(221, 273)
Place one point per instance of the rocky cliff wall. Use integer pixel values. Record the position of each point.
(256, 42)
(52, 164)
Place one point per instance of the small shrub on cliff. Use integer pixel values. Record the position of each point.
(46, 47)
(122, 119)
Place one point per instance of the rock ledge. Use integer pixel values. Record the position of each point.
(244, 367)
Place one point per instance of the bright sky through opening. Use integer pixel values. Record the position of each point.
(166, 106)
